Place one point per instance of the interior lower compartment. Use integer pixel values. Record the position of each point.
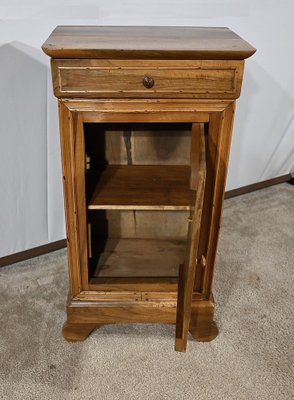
(129, 246)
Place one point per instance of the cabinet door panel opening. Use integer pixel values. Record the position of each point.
(138, 179)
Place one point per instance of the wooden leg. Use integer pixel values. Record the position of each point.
(202, 325)
(77, 332)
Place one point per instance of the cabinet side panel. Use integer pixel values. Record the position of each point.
(73, 167)
(219, 140)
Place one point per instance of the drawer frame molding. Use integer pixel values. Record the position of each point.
(173, 79)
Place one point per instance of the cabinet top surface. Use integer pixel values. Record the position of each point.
(146, 42)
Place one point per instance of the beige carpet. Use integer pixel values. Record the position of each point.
(252, 358)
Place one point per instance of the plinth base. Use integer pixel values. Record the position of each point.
(84, 317)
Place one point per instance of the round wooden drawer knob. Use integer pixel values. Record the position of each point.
(148, 82)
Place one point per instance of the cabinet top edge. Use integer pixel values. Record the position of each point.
(146, 42)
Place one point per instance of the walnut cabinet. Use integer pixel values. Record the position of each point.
(146, 117)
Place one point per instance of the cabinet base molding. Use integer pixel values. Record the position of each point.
(83, 317)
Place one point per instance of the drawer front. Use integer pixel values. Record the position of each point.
(139, 78)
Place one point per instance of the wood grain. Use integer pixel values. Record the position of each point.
(203, 328)
(223, 124)
(161, 144)
(150, 42)
(187, 271)
(127, 308)
(73, 167)
(196, 75)
(140, 258)
(155, 224)
(145, 111)
(77, 332)
(122, 293)
(218, 148)
(196, 154)
(122, 78)
(145, 187)
(131, 311)
(159, 284)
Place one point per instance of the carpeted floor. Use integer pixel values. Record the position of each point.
(252, 358)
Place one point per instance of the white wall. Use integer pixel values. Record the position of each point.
(31, 205)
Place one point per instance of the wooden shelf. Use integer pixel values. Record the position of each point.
(140, 258)
(143, 187)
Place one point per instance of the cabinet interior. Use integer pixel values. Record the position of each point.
(139, 197)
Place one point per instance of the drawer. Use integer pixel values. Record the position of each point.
(147, 79)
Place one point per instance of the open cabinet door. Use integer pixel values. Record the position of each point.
(187, 271)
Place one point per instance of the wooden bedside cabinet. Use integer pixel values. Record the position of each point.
(146, 116)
